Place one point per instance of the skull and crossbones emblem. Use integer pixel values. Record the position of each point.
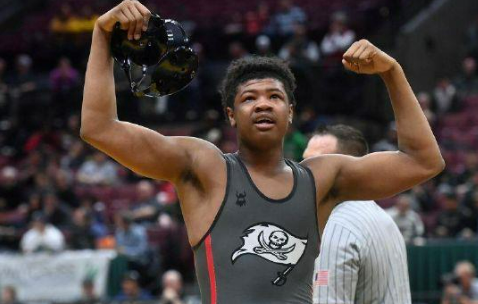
(277, 240)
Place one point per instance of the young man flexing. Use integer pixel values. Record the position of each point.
(251, 215)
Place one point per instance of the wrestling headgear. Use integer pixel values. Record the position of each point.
(166, 61)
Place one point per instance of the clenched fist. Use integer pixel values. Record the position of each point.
(363, 57)
(132, 15)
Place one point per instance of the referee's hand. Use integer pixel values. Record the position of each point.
(363, 57)
(131, 14)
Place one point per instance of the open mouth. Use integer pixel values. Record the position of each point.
(264, 123)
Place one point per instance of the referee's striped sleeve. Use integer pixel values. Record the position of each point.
(338, 264)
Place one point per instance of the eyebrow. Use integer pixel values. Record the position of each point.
(267, 90)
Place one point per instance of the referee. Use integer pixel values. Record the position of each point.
(362, 257)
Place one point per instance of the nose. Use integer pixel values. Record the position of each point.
(263, 104)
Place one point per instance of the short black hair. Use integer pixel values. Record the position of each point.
(350, 141)
(255, 67)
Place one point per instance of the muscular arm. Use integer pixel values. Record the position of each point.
(140, 149)
(384, 174)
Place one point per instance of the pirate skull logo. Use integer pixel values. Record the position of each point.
(278, 239)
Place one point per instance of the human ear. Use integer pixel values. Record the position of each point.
(230, 116)
(291, 113)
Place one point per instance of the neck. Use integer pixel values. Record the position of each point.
(265, 160)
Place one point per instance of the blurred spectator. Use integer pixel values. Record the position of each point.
(472, 39)
(70, 134)
(462, 287)
(41, 182)
(470, 201)
(211, 127)
(33, 205)
(444, 95)
(64, 80)
(237, 50)
(42, 236)
(408, 221)
(61, 23)
(64, 77)
(55, 211)
(98, 170)
(88, 294)
(147, 209)
(467, 82)
(130, 289)
(451, 294)
(81, 235)
(469, 167)
(423, 195)
(263, 46)
(11, 192)
(23, 80)
(389, 143)
(67, 21)
(64, 188)
(95, 213)
(467, 281)
(75, 156)
(471, 184)
(257, 20)
(288, 15)
(86, 20)
(131, 239)
(338, 38)
(300, 49)
(469, 204)
(23, 86)
(44, 137)
(235, 26)
(172, 283)
(9, 295)
(33, 163)
(425, 102)
(294, 144)
(453, 221)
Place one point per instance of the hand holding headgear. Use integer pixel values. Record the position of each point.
(132, 16)
(162, 50)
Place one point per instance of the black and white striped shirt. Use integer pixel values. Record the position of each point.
(362, 258)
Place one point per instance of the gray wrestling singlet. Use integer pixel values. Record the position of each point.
(260, 250)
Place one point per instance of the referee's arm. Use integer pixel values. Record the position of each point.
(335, 280)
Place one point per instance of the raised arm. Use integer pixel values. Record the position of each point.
(140, 149)
(384, 174)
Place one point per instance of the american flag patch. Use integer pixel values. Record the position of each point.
(322, 278)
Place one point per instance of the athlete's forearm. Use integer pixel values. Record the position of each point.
(415, 137)
(99, 101)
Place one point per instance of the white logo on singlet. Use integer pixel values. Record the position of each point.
(272, 243)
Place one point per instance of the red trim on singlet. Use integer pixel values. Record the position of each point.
(210, 269)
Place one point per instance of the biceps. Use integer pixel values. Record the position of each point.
(142, 150)
(378, 175)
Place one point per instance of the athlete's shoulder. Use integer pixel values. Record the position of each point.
(324, 169)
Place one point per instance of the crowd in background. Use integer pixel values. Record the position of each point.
(57, 193)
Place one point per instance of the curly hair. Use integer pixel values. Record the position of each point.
(255, 67)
